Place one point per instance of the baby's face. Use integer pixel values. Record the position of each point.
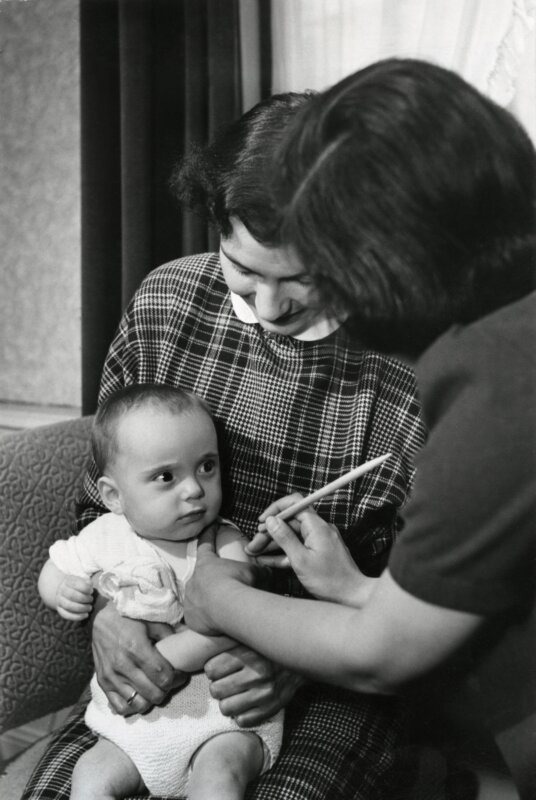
(167, 471)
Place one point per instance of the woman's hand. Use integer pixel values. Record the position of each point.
(320, 559)
(126, 661)
(248, 686)
(262, 547)
(212, 579)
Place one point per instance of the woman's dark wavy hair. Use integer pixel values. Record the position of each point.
(411, 199)
(230, 177)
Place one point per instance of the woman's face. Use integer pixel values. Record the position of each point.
(274, 284)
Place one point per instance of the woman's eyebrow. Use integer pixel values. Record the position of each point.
(235, 261)
(296, 277)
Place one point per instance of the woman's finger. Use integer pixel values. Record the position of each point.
(238, 670)
(285, 537)
(263, 543)
(259, 544)
(294, 524)
(207, 542)
(254, 716)
(147, 694)
(128, 701)
(124, 654)
(250, 700)
(280, 505)
(278, 561)
(223, 665)
(315, 530)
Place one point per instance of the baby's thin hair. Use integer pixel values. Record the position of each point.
(140, 395)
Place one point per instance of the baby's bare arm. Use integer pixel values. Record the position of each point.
(188, 650)
(70, 595)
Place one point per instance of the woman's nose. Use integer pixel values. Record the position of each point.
(271, 302)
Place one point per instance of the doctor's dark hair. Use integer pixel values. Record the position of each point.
(411, 199)
(230, 177)
(104, 442)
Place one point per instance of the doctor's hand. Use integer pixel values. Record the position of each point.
(212, 581)
(317, 554)
(263, 547)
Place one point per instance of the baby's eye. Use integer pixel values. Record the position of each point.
(165, 477)
(208, 466)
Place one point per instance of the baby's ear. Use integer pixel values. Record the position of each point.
(109, 494)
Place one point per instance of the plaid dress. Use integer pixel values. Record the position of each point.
(291, 416)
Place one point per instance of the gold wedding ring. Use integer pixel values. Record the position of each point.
(131, 698)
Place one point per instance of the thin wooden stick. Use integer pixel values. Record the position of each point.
(332, 487)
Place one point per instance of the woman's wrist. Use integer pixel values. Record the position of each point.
(357, 593)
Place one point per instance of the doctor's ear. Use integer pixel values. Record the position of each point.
(109, 494)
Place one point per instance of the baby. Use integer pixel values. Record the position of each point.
(157, 452)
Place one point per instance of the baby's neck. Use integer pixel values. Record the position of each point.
(175, 554)
(170, 548)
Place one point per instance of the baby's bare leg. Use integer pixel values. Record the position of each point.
(223, 766)
(105, 772)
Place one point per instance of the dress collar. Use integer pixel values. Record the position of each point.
(319, 330)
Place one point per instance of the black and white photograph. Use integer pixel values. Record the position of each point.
(268, 399)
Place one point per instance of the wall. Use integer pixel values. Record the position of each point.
(39, 202)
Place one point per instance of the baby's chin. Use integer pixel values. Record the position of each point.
(190, 531)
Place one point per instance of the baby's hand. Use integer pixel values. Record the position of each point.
(74, 598)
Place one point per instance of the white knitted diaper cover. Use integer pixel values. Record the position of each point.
(162, 742)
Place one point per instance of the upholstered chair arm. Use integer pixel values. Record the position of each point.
(44, 661)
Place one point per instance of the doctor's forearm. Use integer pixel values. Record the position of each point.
(319, 640)
(393, 639)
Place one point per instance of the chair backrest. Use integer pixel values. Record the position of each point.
(44, 661)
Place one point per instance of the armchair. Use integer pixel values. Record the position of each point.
(45, 661)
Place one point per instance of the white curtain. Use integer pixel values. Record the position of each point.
(492, 43)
